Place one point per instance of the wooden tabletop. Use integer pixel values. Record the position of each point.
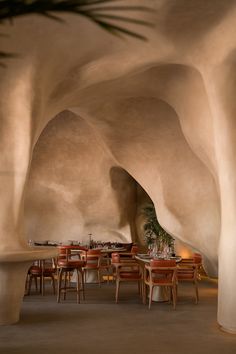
(147, 258)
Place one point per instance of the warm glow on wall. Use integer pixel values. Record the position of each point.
(183, 250)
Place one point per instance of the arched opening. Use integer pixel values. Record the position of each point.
(76, 188)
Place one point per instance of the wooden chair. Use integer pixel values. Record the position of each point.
(129, 255)
(94, 259)
(66, 264)
(126, 272)
(41, 270)
(161, 273)
(188, 271)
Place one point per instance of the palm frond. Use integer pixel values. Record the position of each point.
(95, 10)
(10, 9)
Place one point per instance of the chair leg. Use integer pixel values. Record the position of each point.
(168, 292)
(144, 293)
(59, 281)
(165, 292)
(99, 277)
(140, 289)
(42, 284)
(174, 295)
(36, 283)
(78, 286)
(53, 285)
(65, 283)
(82, 282)
(196, 290)
(29, 285)
(117, 290)
(150, 295)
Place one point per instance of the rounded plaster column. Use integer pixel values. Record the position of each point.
(221, 90)
(16, 148)
(227, 245)
(13, 270)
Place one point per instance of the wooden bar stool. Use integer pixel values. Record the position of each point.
(41, 270)
(66, 265)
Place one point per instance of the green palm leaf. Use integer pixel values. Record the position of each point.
(98, 11)
(15, 8)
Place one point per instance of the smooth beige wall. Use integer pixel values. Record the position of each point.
(76, 188)
(163, 110)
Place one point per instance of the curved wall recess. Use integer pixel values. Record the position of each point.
(75, 187)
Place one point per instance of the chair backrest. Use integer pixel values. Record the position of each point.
(64, 252)
(197, 258)
(94, 252)
(92, 256)
(159, 269)
(163, 263)
(189, 269)
(134, 249)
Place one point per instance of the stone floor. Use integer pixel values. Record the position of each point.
(98, 325)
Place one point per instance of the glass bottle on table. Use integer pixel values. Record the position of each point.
(90, 241)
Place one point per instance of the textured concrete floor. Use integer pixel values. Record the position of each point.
(98, 325)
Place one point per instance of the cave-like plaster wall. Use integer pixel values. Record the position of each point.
(164, 110)
(76, 188)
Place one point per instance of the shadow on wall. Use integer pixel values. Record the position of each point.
(76, 189)
(187, 19)
(124, 187)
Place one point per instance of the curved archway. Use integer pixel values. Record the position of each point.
(76, 189)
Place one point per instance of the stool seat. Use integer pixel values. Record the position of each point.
(70, 263)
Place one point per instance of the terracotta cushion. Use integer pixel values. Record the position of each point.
(71, 263)
(162, 263)
(94, 252)
(163, 272)
(134, 249)
(92, 258)
(185, 276)
(129, 275)
(36, 270)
